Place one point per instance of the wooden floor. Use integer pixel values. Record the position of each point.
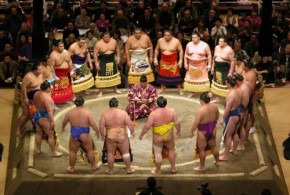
(276, 102)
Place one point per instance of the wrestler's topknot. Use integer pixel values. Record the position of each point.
(205, 97)
(79, 101)
(45, 85)
(113, 102)
(161, 102)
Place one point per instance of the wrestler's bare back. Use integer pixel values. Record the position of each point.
(168, 47)
(43, 101)
(250, 77)
(32, 81)
(208, 113)
(80, 117)
(162, 116)
(115, 118)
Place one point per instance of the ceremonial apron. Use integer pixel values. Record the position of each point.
(108, 76)
(221, 72)
(139, 65)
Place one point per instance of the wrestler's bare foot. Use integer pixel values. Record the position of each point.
(180, 92)
(109, 172)
(234, 152)
(86, 92)
(173, 170)
(241, 147)
(159, 91)
(97, 166)
(130, 170)
(199, 168)
(38, 152)
(223, 158)
(100, 94)
(154, 171)
(216, 163)
(216, 100)
(55, 108)
(118, 91)
(70, 169)
(56, 154)
(190, 95)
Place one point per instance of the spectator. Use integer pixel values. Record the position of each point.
(266, 69)
(78, 10)
(120, 22)
(218, 31)
(166, 17)
(91, 41)
(70, 29)
(200, 29)
(83, 21)
(102, 24)
(151, 190)
(8, 50)
(186, 25)
(255, 20)
(252, 46)
(103, 10)
(59, 20)
(147, 21)
(8, 72)
(20, 42)
(138, 12)
(12, 23)
(192, 11)
(210, 19)
(283, 71)
(3, 39)
(69, 40)
(48, 42)
(26, 50)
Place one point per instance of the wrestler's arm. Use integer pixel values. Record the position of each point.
(232, 61)
(179, 47)
(185, 56)
(64, 122)
(177, 124)
(49, 109)
(24, 85)
(102, 123)
(196, 121)
(70, 66)
(127, 47)
(209, 57)
(93, 124)
(156, 53)
(213, 60)
(147, 125)
(129, 123)
(89, 59)
(117, 52)
(96, 52)
(229, 105)
(151, 52)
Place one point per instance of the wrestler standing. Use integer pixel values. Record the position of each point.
(162, 120)
(81, 120)
(62, 65)
(30, 84)
(116, 136)
(231, 118)
(197, 62)
(43, 118)
(205, 121)
(137, 48)
(142, 97)
(105, 52)
(170, 62)
(80, 55)
(223, 67)
(245, 93)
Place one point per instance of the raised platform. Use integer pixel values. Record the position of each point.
(253, 170)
